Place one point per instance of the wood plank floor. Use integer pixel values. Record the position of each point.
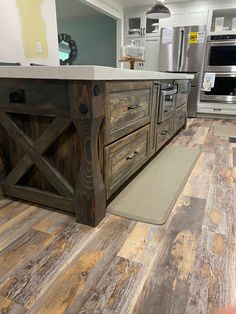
(50, 264)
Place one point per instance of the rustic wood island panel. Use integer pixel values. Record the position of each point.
(69, 144)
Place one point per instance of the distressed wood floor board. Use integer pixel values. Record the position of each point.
(50, 264)
(166, 288)
(29, 281)
(21, 251)
(20, 224)
(9, 307)
(72, 288)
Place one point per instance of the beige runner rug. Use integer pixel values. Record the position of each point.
(151, 196)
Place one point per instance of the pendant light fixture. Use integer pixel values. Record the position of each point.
(158, 11)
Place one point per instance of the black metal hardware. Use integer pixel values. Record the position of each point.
(17, 96)
(83, 109)
(216, 109)
(96, 90)
(134, 107)
(131, 156)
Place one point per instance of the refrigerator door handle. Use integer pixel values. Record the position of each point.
(180, 49)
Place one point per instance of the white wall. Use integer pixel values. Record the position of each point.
(11, 34)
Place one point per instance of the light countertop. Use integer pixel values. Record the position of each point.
(85, 72)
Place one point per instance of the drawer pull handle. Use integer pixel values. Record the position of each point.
(164, 132)
(216, 109)
(134, 107)
(131, 156)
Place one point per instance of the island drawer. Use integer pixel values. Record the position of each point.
(124, 157)
(180, 117)
(164, 132)
(27, 96)
(128, 107)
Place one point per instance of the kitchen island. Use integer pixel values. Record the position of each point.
(70, 136)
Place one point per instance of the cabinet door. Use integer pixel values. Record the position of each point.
(151, 27)
(133, 24)
(151, 54)
(172, 21)
(194, 18)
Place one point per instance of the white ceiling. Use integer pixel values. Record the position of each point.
(73, 8)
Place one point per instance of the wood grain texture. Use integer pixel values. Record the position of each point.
(163, 288)
(17, 226)
(83, 275)
(87, 113)
(186, 266)
(9, 307)
(128, 107)
(124, 157)
(12, 258)
(31, 279)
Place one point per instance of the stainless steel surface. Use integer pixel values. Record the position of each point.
(179, 55)
(219, 68)
(192, 54)
(168, 93)
(167, 101)
(229, 96)
(170, 53)
(192, 102)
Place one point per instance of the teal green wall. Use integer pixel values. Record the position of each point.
(95, 37)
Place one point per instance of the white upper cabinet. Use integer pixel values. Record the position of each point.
(138, 25)
(185, 19)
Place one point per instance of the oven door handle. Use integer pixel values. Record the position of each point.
(169, 92)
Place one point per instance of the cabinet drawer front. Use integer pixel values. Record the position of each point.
(128, 107)
(182, 95)
(164, 131)
(180, 117)
(124, 157)
(44, 97)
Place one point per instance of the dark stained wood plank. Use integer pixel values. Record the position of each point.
(31, 279)
(87, 112)
(74, 285)
(9, 307)
(21, 250)
(55, 178)
(41, 197)
(42, 97)
(17, 226)
(46, 139)
(166, 288)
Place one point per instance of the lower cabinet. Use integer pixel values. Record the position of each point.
(163, 132)
(180, 117)
(124, 157)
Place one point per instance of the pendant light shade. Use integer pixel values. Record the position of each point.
(158, 11)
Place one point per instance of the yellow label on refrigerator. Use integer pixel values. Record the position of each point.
(193, 37)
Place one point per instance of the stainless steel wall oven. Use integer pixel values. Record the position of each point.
(224, 89)
(221, 53)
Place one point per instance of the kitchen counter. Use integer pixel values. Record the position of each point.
(71, 136)
(84, 72)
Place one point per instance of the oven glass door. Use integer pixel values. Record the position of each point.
(221, 57)
(167, 105)
(224, 89)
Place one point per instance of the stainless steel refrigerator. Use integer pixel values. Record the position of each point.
(182, 51)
